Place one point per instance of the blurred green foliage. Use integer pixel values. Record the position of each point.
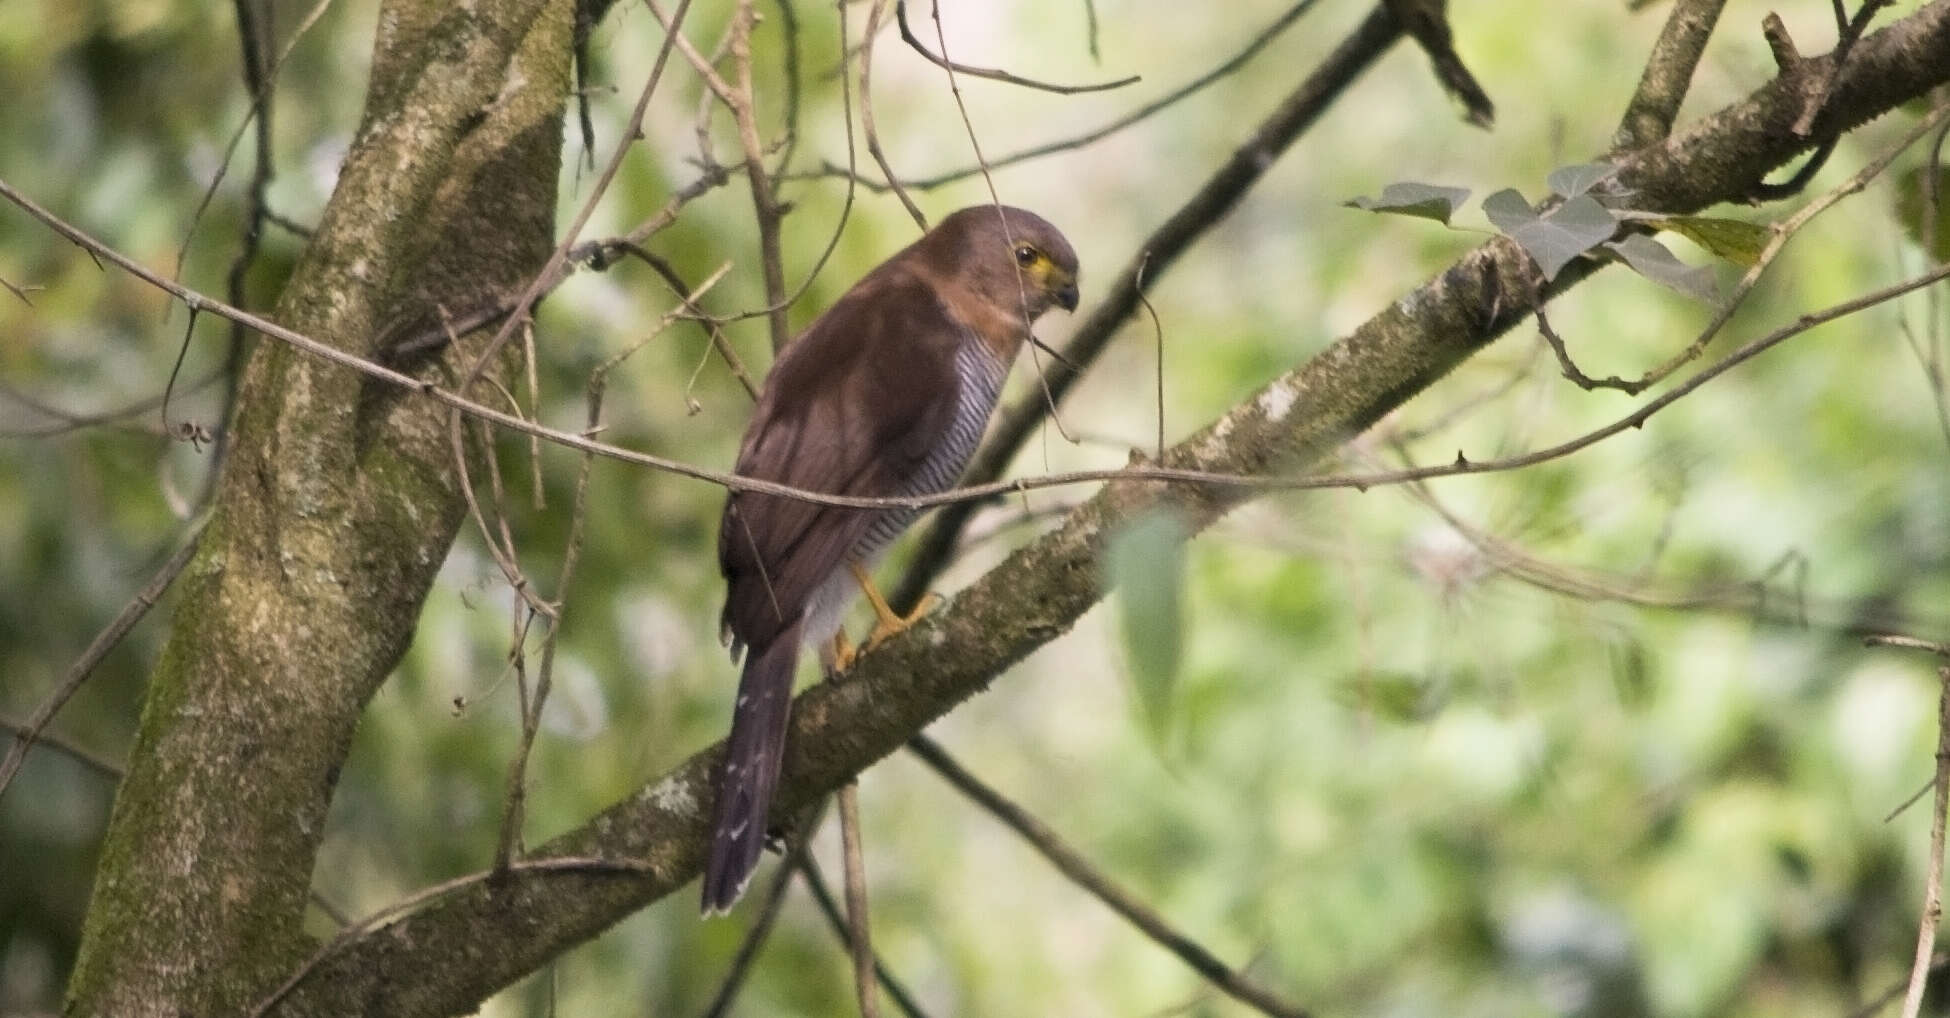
(1420, 763)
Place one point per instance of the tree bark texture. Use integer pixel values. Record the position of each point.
(334, 511)
(451, 955)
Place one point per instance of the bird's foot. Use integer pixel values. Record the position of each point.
(839, 660)
(889, 625)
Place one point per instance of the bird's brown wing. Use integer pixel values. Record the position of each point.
(852, 407)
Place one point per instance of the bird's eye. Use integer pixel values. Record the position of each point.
(1025, 254)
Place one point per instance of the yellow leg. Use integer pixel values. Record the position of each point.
(887, 625)
(843, 652)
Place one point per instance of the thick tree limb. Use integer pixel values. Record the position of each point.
(1668, 74)
(449, 957)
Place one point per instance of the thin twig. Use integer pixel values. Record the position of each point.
(254, 34)
(258, 100)
(88, 758)
(1158, 335)
(860, 941)
(70, 421)
(1941, 650)
(764, 206)
(1847, 32)
(995, 198)
(711, 325)
(996, 74)
(737, 99)
(1258, 40)
(1079, 870)
(1895, 990)
(1780, 234)
(105, 641)
(1919, 974)
(836, 921)
(545, 278)
(976, 493)
(1569, 368)
(789, 28)
(874, 9)
(17, 291)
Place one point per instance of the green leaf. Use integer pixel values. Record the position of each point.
(1571, 181)
(1145, 561)
(1734, 240)
(1553, 240)
(1426, 201)
(1911, 200)
(1650, 259)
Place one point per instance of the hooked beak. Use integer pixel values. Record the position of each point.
(1066, 296)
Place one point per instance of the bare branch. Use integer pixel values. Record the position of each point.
(874, 9)
(84, 666)
(765, 207)
(545, 278)
(1919, 974)
(823, 897)
(994, 74)
(1073, 865)
(88, 758)
(859, 937)
(1427, 22)
(1258, 41)
(1941, 650)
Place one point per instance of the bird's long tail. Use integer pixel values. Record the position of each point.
(750, 771)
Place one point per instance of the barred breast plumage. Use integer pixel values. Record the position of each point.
(980, 374)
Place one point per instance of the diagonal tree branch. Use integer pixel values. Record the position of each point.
(449, 957)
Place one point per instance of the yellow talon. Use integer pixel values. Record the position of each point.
(887, 625)
(843, 653)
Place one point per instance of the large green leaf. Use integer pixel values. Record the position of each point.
(1145, 561)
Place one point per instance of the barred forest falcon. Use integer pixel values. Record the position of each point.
(886, 394)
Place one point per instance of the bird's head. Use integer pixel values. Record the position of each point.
(1010, 257)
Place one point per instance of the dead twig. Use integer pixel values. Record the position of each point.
(1258, 41)
(836, 921)
(978, 492)
(996, 74)
(861, 938)
(1919, 974)
(84, 666)
(1073, 865)
(866, 114)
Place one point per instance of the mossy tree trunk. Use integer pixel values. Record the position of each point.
(334, 511)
